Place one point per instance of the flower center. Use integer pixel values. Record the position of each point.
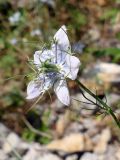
(49, 67)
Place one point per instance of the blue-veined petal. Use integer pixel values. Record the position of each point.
(62, 39)
(62, 92)
(39, 86)
(34, 89)
(71, 67)
(61, 45)
(42, 56)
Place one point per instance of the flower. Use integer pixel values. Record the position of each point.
(15, 18)
(53, 67)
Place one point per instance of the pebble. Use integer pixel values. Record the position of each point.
(49, 157)
(72, 157)
(102, 142)
(71, 143)
(3, 155)
(89, 156)
(11, 142)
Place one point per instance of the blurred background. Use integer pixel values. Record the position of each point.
(50, 130)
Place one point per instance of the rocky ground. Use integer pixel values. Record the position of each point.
(51, 131)
(77, 133)
(87, 139)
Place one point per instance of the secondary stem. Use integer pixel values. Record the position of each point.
(106, 107)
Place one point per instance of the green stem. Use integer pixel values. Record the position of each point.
(106, 107)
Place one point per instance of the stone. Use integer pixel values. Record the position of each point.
(71, 143)
(33, 152)
(95, 77)
(11, 142)
(75, 127)
(102, 142)
(49, 156)
(88, 143)
(94, 34)
(62, 123)
(89, 156)
(110, 153)
(117, 155)
(4, 129)
(71, 157)
(3, 155)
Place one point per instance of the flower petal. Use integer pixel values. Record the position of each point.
(71, 67)
(37, 58)
(42, 56)
(33, 90)
(62, 39)
(39, 85)
(62, 92)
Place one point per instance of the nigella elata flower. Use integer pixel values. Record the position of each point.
(54, 65)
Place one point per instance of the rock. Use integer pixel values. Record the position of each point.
(3, 156)
(113, 70)
(4, 129)
(49, 157)
(93, 126)
(94, 34)
(95, 77)
(71, 157)
(104, 70)
(102, 141)
(89, 156)
(62, 123)
(89, 123)
(118, 154)
(11, 142)
(88, 143)
(33, 153)
(110, 153)
(75, 127)
(71, 143)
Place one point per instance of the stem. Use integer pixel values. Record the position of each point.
(106, 107)
(35, 130)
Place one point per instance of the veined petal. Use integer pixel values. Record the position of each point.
(33, 90)
(39, 86)
(62, 39)
(59, 55)
(62, 92)
(42, 56)
(37, 58)
(71, 67)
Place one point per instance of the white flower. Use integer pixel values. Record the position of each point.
(15, 18)
(54, 66)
